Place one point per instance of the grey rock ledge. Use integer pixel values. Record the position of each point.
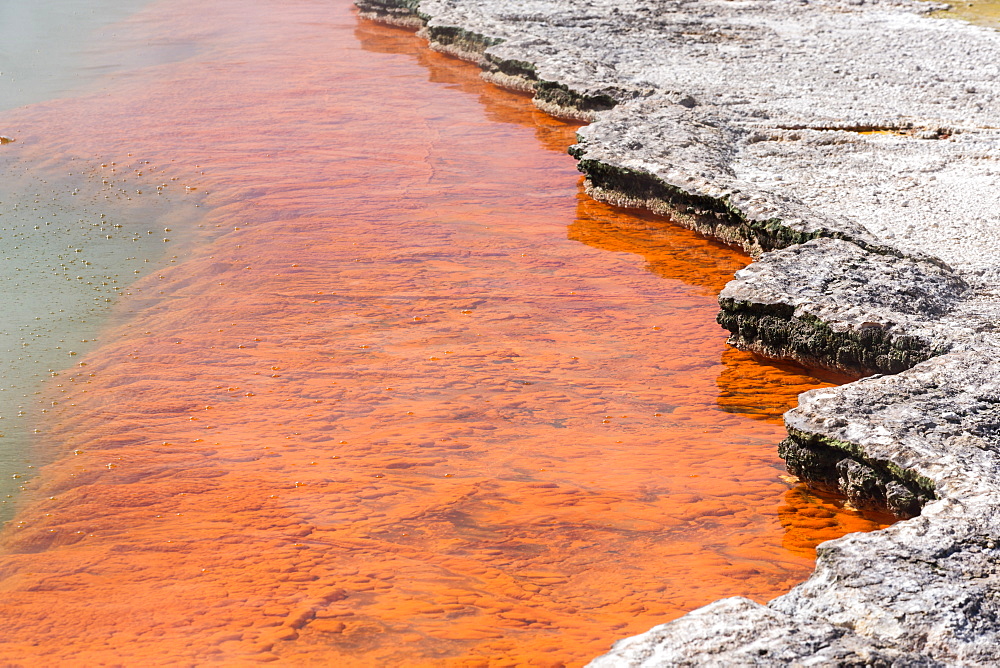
(851, 147)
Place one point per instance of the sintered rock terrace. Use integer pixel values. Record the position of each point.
(852, 147)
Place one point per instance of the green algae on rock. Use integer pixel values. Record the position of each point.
(829, 303)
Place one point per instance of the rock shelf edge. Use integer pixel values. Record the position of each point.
(918, 436)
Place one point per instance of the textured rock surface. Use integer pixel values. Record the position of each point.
(852, 146)
(830, 303)
(752, 635)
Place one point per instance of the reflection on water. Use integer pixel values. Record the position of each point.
(405, 397)
(764, 389)
(668, 251)
(811, 516)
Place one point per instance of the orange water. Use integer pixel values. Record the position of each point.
(402, 396)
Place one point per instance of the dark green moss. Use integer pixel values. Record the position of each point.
(865, 482)
(561, 96)
(772, 329)
(718, 216)
(464, 40)
(391, 9)
(512, 68)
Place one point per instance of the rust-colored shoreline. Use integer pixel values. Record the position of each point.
(282, 459)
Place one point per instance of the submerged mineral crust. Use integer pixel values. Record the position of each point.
(852, 147)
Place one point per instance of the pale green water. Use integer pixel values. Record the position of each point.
(66, 254)
(69, 244)
(51, 48)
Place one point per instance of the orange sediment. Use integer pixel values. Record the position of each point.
(405, 397)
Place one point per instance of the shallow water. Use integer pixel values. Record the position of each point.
(978, 12)
(397, 393)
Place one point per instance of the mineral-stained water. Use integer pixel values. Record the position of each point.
(69, 245)
(367, 379)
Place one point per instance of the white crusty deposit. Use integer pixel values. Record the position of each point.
(852, 147)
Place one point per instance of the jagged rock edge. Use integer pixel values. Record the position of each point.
(850, 352)
(775, 332)
(552, 97)
(717, 217)
(864, 480)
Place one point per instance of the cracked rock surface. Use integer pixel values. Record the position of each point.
(852, 147)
